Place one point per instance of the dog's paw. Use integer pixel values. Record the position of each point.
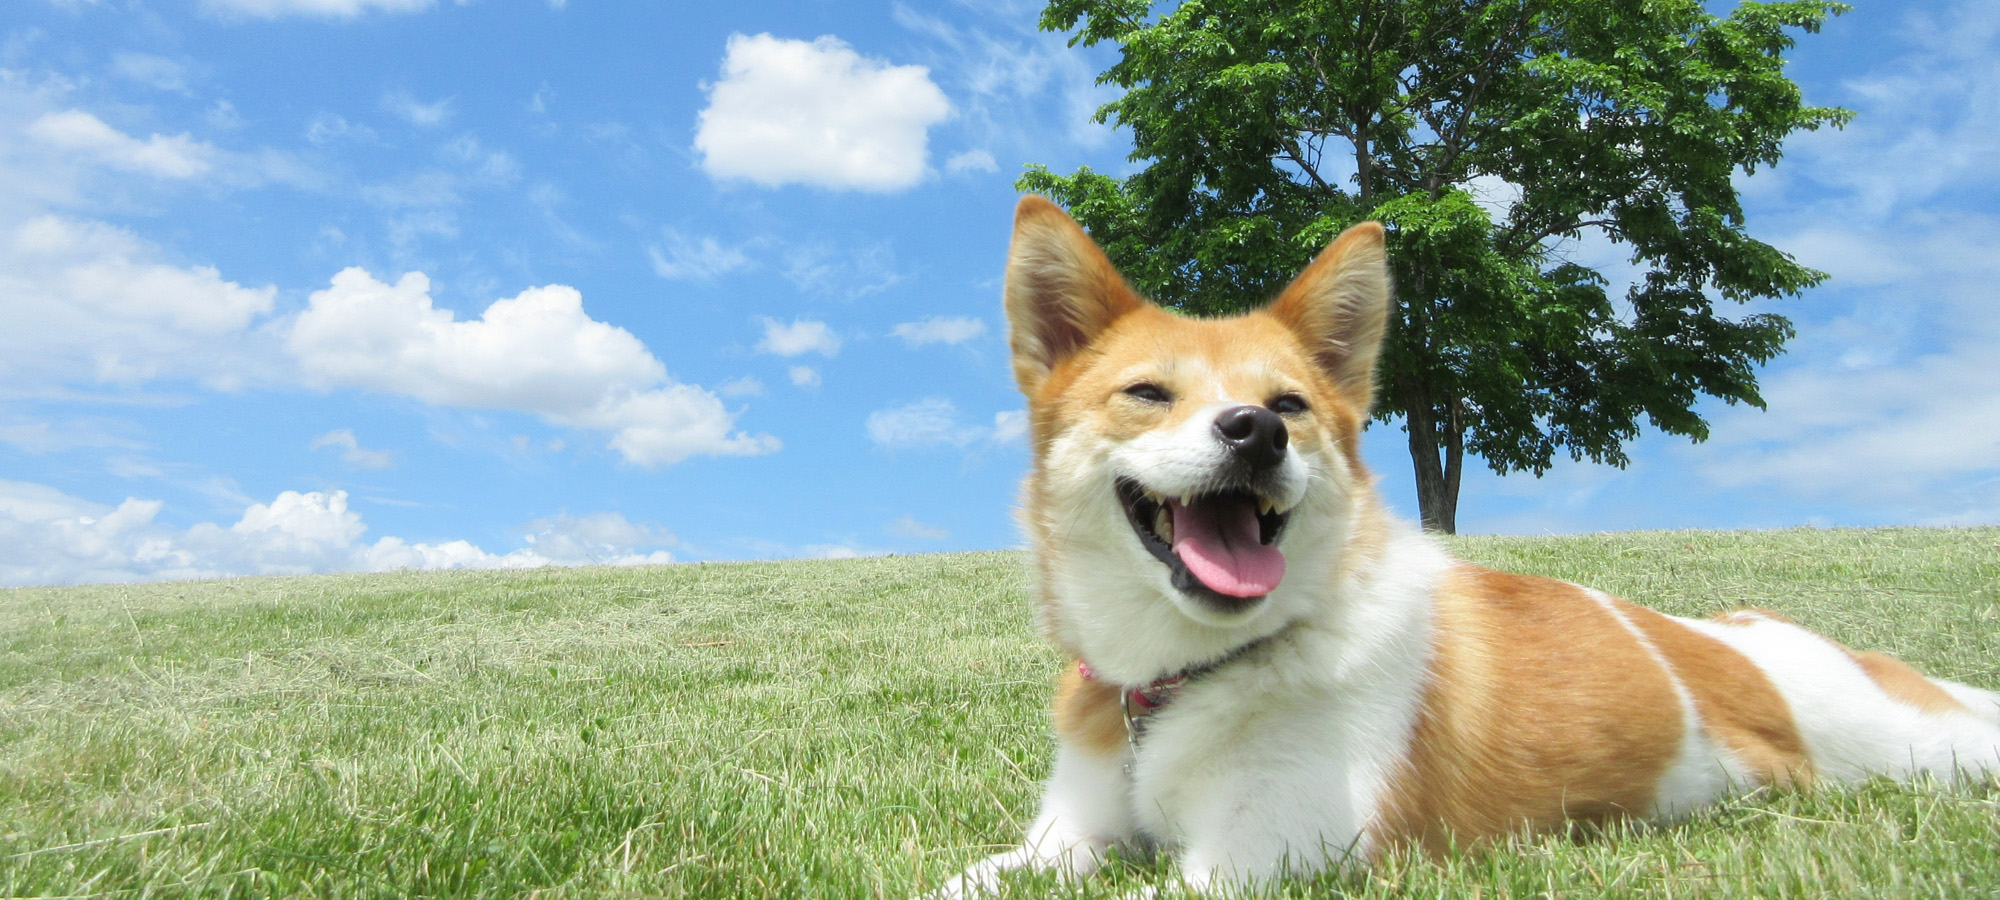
(982, 879)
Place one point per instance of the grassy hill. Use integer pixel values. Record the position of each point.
(817, 729)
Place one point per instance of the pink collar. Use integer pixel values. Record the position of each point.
(1139, 703)
(1144, 700)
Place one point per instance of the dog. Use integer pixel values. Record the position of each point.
(1270, 675)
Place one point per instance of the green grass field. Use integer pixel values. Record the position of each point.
(802, 729)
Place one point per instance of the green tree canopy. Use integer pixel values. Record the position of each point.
(1488, 136)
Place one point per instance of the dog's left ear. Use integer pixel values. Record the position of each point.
(1061, 291)
(1338, 307)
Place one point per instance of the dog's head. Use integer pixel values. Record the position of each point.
(1210, 466)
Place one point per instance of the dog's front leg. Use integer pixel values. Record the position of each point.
(1260, 824)
(1086, 808)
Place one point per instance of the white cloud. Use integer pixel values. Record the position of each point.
(76, 131)
(743, 386)
(392, 553)
(47, 437)
(680, 257)
(537, 352)
(909, 527)
(222, 115)
(1886, 407)
(317, 9)
(496, 167)
(157, 72)
(86, 300)
(1022, 88)
(408, 108)
(849, 274)
(806, 377)
(934, 422)
(800, 337)
(1926, 126)
(1009, 426)
(1891, 403)
(49, 537)
(423, 190)
(929, 422)
(834, 551)
(817, 113)
(600, 539)
(940, 330)
(971, 161)
(352, 452)
(525, 444)
(326, 128)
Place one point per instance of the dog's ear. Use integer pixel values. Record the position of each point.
(1061, 291)
(1338, 307)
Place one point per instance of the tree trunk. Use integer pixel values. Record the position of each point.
(1438, 454)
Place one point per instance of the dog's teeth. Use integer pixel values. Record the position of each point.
(1265, 506)
(1155, 497)
(1187, 499)
(1163, 525)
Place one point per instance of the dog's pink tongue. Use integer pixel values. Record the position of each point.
(1218, 541)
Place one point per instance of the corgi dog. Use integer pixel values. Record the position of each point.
(1269, 675)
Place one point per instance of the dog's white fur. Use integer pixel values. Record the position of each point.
(1292, 756)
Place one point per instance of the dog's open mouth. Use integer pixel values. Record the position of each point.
(1222, 545)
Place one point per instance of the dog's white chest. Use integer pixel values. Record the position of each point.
(1221, 776)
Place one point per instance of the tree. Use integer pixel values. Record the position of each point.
(1489, 137)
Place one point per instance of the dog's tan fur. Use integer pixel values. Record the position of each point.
(1381, 693)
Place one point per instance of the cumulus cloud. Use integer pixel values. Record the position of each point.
(800, 337)
(600, 539)
(76, 131)
(315, 9)
(817, 113)
(86, 300)
(49, 537)
(940, 330)
(806, 377)
(537, 352)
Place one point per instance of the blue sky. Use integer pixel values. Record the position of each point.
(326, 285)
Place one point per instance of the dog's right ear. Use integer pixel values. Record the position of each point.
(1061, 291)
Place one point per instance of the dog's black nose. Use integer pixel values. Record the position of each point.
(1256, 434)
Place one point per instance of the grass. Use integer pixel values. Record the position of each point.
(802, 729)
